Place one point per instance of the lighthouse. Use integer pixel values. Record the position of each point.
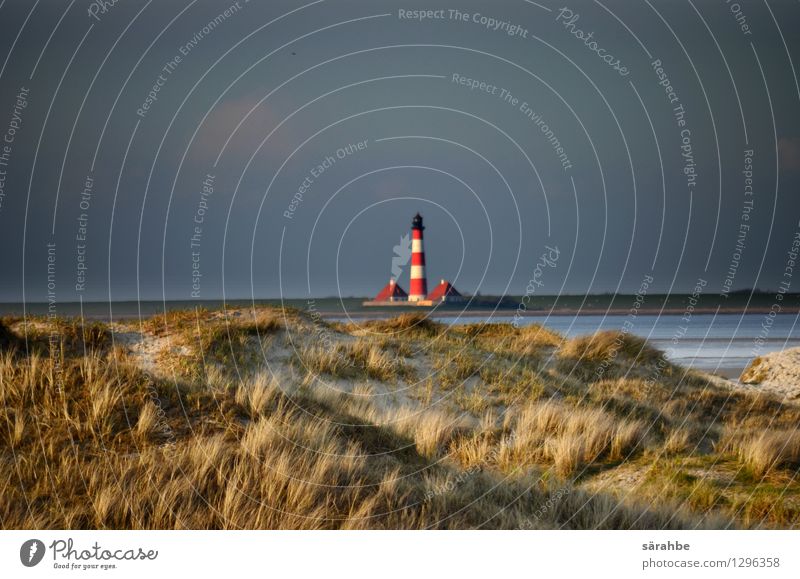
(418, 289)
(393, 295)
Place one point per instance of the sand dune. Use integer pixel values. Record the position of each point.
(777, 373)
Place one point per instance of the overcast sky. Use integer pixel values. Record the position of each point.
(215, 120)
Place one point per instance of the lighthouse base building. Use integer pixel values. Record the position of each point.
(392, 292)
(445, 293)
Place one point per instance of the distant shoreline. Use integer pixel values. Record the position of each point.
(510, 313)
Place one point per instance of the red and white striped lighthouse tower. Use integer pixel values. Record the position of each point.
(419, 285)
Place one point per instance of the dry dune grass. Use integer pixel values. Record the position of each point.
(537, 336)
(456, 367)
(351, 360)
(81, 338)
(488, 330)
(317, 359)
(199, 339)
(213, 327)
(508, 340)
(609, 345)
(95, 443)
(540, 336)
(431, 431)
(404, 325)
(220, 339)
(90, 440)
(764, 451)
(257, 395)
(569, 437)
(175, 320)
(73, 338)
(147, 421)
(8, 340)
(678, 441)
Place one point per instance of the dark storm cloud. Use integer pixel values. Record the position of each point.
(161, 145)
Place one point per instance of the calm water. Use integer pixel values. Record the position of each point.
(723, 344)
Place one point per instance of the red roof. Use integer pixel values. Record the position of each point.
(392, 291)
(444, 289)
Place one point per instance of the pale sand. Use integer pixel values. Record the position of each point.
(778, 373)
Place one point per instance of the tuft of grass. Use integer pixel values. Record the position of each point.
(259, 322)
(352, 360)
(568, 453)
(258, 395)
(766, 506)
(487, 330)
(474, 451)
(402, 348)
(455, 368)
(378, 363)
(677, 441)
(628, 436)
(705, 496)
(539, 336)
(147, 422)
(235, 341)
(570, 437)
(610, 345)
(432, 432)
(175, 321)
(408, 325)
(474, 401)
(510, 342)
(765, 451)
(69, 336)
